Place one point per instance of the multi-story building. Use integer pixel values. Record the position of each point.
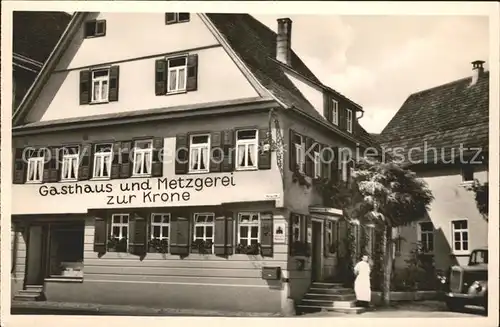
(442, 135)
(170, 170)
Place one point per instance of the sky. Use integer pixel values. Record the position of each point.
(378, 61)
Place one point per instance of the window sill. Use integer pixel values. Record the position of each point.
(100, 179)
(33, 182)
(194, 172)
(176, 92)
(141, 176)
(72, 180)
(98, 102)
(246, 168)
(63, 279)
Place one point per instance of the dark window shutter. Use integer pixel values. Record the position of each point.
(342, 118)
(100, 234)
(158, 157)
(220, 235)
(192, 73)
(55, 169)
(229, 232)
(170, 18)
(114, 79)
(216, 153)
(334, 167)
(182, 154)
(292, 151)
(84, 170)
(126, 159)
(309, 169)
(19, 167)
(161, 77)
(264, 156)
(115, 166)
(326, 158)
(266, 234)
(137, 235)
(229, 151)
(179, 235)
(85, 86)
(327, 107)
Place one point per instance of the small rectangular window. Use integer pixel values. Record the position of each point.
(177, 74)
(460, 236)
(176, 17)
(143, 155)
(335, 112)
(246, 149)
(349, 120)
(36, 161)
(249, 228)
(95, 28)
(103, 157)
(426, 237)
(203, 236)
(70, 163)
(118, 238)
(100, 85)
(199, 156)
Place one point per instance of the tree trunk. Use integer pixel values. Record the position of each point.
(386, 286)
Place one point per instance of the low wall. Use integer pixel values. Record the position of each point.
(405, 296)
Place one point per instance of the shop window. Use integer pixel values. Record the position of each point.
(66, 242)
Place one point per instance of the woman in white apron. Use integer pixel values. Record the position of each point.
(362, 282)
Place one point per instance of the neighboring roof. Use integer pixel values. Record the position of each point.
(255, 44)
(35, 33)
(443, 117)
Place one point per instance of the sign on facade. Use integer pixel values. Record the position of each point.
(279, 232)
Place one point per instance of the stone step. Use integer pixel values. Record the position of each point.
(34, 287)
(309, 308)
(29, 291)
(327, 285)
(330, 297)
(29, 297)
(329, 303)
(320, 290)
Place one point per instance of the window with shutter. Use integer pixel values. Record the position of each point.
(160, 233)
(100, 79)
(117, 160)
(177, 74)
(182, 154)
(248, 233)
(309, 160)
(35, 164)
(349, 120)
(246, 149)
(264, 160)
(70, 163)
(203, 233)
(119, 233)
(95, 28)
(297, 152)
(19, 166)
(138, 234)
(103, 158)
(142, 158)
(158, 157)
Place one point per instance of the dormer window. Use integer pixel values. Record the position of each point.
(95, 28)
(176, 17)
(349, 120)
(335, 112)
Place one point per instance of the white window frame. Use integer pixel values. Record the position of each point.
(73, 160)
(461, 231)
(199, 147)
(335, 112)
(249, 225)
(121, 225)
(138, 152)
(161, 225)
(179, 71)
(246, 144)
(204, 225)
(300, 153)
(38, 164)
(177, 18)
(100, 80)
(427, 233)
(317, 164)
(349, 120)
(103, 156)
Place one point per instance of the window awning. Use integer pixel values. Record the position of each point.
(328, 213)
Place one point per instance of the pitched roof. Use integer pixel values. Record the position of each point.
(443, 117)
(255, 44)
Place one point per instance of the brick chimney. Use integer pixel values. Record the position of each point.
(284, 41)
(477, 71)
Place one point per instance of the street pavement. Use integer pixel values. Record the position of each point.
(421, 309)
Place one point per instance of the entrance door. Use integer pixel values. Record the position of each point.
(36, 253)
(316, 251)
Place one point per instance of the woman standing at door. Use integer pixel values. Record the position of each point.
(362, 282)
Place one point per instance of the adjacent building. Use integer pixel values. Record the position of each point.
(442, 134)
(164, 163)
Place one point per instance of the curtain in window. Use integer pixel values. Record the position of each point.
(75, 167)
(204, 158)
(97, 170)
(251, 154)
(31, 172)
(173, 80)
(107, 165)
(241, 154)
(138, 164)
(147, 163)
(96, 90)
(182, 79)
(65, 168)
(194, 159)
(104, 89)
